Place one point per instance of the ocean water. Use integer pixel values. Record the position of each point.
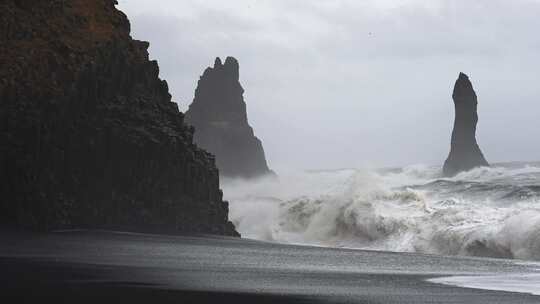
(489, 212)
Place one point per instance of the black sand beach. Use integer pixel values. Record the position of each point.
(85, 267)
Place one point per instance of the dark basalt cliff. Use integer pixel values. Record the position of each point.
(219, 115)
(464, 153)
(89, 135)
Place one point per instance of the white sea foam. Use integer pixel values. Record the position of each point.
(522, 283)
(485, 212)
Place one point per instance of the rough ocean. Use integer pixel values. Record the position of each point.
(489, 212)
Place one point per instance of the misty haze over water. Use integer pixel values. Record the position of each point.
(368, 84)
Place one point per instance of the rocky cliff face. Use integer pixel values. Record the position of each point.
(464, 153)
(219, 116)
(90, 137)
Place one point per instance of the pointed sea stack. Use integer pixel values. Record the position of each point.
(464, 152)
(90, 137)
(218, 113)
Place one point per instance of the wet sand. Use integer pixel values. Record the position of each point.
(88, 267)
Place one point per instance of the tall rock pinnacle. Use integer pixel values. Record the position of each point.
(218, 113)
(464, 152)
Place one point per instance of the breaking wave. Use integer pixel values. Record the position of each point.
(493, 212)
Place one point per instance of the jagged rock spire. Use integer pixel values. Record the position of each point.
(219, 115)
(217, 63)
(465, 154)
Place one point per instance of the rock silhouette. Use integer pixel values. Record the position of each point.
(464, 152)
(218, 113)
(90, 137)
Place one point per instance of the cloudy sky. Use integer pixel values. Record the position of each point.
(351, 83)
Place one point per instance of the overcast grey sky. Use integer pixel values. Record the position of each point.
(350, 83)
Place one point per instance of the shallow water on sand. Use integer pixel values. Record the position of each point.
(522, 283)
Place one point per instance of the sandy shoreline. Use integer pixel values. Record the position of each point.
(86, 266)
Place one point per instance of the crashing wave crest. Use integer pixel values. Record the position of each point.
(492, 212)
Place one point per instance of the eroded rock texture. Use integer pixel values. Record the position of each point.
(464, 152)
(218, 113)
(90, 137)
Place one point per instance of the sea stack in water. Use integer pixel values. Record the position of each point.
(464, 152)
(90, 137)
(218, 113)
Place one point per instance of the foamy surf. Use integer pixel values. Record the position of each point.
(491, 212)
(522, 283)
